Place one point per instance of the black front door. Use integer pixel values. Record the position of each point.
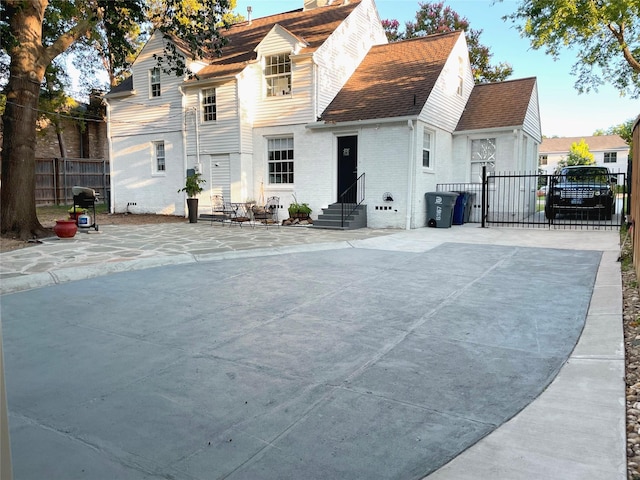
(347, 163)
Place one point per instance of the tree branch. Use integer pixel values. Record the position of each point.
(66, 40)
(626, 52)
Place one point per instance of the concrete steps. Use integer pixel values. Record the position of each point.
(331, 217)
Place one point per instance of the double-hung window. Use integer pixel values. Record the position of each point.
(610, 157)
(280, 151)
(159, 160)
(427, 158)
(483, 153)
(154, 82)
(277, 73)
(208, 102)
(543, 160)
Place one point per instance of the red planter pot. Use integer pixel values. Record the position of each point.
(65, 228)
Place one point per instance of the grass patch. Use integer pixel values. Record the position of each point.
(63, 210)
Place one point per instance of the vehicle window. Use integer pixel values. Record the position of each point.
(586, 175)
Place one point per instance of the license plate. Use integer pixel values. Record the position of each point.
(576, 201)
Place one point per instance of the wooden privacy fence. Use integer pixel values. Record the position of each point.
(635, 188)
(56, 176)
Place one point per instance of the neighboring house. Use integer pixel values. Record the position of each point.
(608, 151)
(302, 104)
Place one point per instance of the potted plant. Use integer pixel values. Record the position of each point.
(192, 187)
(299, 210)
(78, 211)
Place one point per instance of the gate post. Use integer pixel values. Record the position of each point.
(484, 196)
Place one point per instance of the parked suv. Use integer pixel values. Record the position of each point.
(581, 188)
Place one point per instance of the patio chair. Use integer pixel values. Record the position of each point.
(267, 214)
(218, 213)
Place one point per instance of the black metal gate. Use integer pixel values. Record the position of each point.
(536, 200)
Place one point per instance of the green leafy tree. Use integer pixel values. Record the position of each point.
(579, 154)
(606, 34)
(435, 17)
(34, 33)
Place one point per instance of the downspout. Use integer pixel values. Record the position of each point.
(112, 200)
(410, 175)
(184, 143)
(197, 120)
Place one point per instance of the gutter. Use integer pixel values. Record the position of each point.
(359, 123)
(207, 81)
(488, 130)
(128, 93)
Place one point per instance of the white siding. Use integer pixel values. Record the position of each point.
(343, 51)
(138, 113)
(287, 109)
(221, 135)
(532, 118)
(135, 186)
(135, 122)
(444, 106)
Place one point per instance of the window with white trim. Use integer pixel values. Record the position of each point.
(427, 160)
(610, 157)
(280, 154)
(483, 153)
(208, 102)
(159, 157)
(277, 73)
(154, 82)
(543, 160)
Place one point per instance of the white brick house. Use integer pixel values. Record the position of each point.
(302, 103)
(609, 151)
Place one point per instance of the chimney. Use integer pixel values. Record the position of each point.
(249, 10)
(311, 4)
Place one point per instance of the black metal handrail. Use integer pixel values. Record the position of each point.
(352, 198)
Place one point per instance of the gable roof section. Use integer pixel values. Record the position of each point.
(596, 143)
(125, 86)
(311, 26)
(393, 80)
(495, 105)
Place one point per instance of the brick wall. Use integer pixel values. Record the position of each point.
(95, 141)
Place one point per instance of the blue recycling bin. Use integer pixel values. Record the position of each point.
(460, 208)
(440, 207)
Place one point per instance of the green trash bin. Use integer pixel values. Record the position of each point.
(440, 207)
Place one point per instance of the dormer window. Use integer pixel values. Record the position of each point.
(154, 79)
(277, 73)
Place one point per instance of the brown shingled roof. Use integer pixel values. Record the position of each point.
(313, 26)
(394, 80)
(502, 104)
(596, 143)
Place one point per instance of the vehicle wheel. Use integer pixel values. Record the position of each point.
(550, 213)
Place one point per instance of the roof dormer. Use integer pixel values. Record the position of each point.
(279, 39)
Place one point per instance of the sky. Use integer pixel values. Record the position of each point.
(563, 111)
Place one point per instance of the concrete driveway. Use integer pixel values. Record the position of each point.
(348, 363)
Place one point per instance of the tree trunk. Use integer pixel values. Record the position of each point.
(18, 203)
(29, 59)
